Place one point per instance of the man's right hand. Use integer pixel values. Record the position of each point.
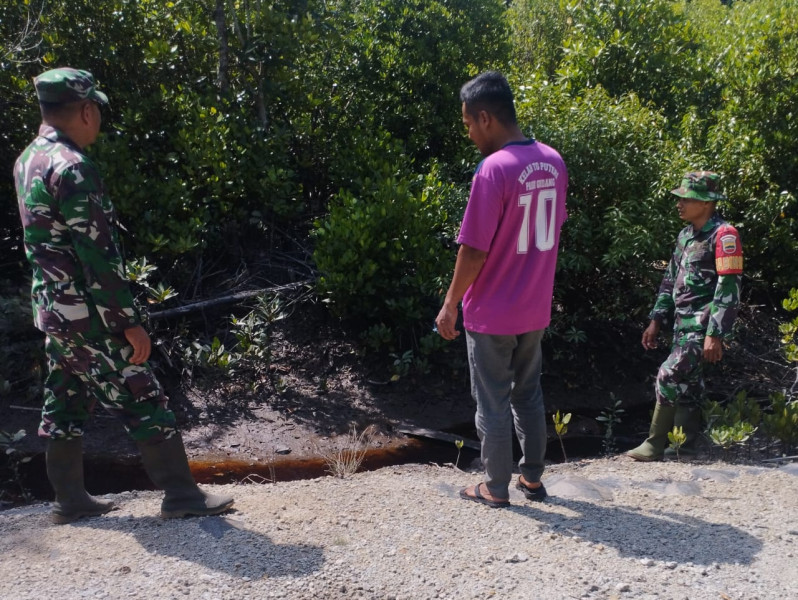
(446, 320)
(138, 338)
(650, 335)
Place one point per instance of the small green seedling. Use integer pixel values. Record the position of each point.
(459, 444)
(677, 438)
(160, 293)
(561, 428)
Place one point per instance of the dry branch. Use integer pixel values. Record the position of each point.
(231, 298)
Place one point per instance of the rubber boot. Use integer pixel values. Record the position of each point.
(689, 419)
(167, 465)
(64, 459)
(654, 446)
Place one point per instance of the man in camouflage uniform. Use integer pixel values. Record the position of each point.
(95, 344)
(701, 291)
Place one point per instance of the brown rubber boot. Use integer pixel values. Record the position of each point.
(654, 446)
(64, 459)
(167, 465)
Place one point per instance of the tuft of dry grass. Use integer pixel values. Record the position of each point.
(346, 457)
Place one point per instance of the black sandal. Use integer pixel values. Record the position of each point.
(537, 494)
(478, 497)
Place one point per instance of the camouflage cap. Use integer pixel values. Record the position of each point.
(700, 185)
(60, 86)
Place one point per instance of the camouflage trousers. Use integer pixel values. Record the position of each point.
(87, 368)
(680, 379)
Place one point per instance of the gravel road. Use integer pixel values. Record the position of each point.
(612, 528)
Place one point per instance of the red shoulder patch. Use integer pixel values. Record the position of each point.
(728, 251)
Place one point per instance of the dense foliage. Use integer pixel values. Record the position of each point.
(635, 93)
(240, 128)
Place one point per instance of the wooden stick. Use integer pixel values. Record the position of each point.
(432, 434)
(779, 459)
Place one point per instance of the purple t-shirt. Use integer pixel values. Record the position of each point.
(515, 212)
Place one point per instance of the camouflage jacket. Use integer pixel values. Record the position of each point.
(70, 240)
(701, 287)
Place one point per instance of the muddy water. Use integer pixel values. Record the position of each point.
(113, 474)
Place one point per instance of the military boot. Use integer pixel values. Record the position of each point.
(64, 459)
(689, 419)
(167, 465)
(654, 446)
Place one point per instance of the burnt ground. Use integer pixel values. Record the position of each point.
(275, 417)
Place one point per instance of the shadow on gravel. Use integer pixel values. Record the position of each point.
(662, 535)
(220, 543)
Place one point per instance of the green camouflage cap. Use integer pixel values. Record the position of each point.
(64, 85)
(700, 185)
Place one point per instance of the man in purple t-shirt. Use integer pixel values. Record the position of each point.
(504, 275)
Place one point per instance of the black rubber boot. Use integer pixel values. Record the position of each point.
(689, 419)
(167, 465)
(654, 446)
(64, 460)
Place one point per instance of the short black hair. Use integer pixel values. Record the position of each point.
(56, 111)
(490, 92)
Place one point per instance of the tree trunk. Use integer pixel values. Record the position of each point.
(222, 78)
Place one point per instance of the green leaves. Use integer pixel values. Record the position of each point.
(319, 108)
(378, 252)
(639, 47)
(677, 438)
(561, 428)
(561, 423)
(634, 94)
(789, 329)
(613, 148)
(782, 421)
(727, 436)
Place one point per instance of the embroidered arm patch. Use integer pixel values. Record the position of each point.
(728, 251)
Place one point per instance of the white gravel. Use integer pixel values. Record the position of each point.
(612, 529)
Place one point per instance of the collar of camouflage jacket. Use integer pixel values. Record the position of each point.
(51, 134)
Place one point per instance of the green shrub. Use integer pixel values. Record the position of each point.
(641, 47)
(781, 422)
(789, 329)
(753, 139)
(733, 423)
(339, 101)
(538, 29)
(401, 65)
(617, 196)
(381, 252)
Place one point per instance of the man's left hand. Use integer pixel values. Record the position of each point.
(713, 349)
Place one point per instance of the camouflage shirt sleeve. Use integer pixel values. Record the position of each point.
(664, 304)
(89, 215)
(725, 306)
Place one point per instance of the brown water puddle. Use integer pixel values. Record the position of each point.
(106, 474)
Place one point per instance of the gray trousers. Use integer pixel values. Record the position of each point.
(505, 383)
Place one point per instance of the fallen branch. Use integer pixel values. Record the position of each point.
(237, 297)
(779, 459)
(432, 434)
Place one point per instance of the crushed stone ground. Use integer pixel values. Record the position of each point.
(612, 529)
